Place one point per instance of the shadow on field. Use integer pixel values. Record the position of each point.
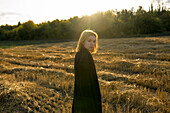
(9, 44)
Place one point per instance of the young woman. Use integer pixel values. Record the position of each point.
(87, 96)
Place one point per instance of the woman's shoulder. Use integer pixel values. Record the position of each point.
(77, 54)
(82, 55)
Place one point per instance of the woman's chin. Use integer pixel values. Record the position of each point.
(90, 49)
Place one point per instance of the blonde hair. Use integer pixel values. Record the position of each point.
(84, 36)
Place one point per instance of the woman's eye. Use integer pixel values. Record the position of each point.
(89, 40)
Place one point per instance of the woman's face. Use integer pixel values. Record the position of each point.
(90, 42)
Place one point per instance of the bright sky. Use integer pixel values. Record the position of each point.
(13, 11)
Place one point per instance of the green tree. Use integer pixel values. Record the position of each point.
(2, 34)
(43, 32)
(75, 26)
(147, 24)
(25, 30)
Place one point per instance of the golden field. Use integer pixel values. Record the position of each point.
(133, 73)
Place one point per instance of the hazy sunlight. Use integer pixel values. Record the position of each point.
(12, 11)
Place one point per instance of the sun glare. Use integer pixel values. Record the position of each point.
(48, 10)
(88, 7)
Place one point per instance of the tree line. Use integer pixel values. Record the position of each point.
(108, 24)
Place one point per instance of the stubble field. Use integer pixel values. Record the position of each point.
(133, 73)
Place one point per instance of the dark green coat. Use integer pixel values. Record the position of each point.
(87, 96)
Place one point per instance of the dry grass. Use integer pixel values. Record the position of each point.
(133, 76)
